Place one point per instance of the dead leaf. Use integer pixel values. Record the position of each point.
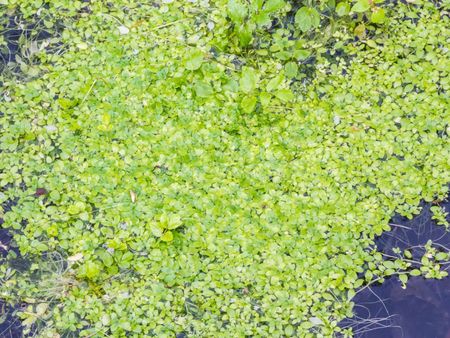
(133, 196)
(40, 192)
(123, 30)
(75, 258)
(41, 309)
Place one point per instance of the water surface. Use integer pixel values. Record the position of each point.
(422, 310)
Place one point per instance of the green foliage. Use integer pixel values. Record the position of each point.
(361, 6)
(378, 16)
(342, 8)
(250, 17)
(194, 181)
(253, 22)
(307, 18)
(440, 216)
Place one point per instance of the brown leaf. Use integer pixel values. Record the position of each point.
(40, 192)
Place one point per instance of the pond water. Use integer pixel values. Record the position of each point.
(9, 324)
(422, 310)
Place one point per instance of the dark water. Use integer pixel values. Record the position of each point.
(10, 326)
(16, 30)
(422, 310)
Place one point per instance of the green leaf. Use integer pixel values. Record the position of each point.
(174, 222)
(291, 69)
(274, 5)
(360, 30)
(248, 104)
(361, 6)
(274, 83)
(303, 19)
(389, 264)
(90, 270)
(245, 33)
(285, 95)
(231, 86)
(194, 60)
(343, 8)
(378, 16)
(29, 320)
(415, 272)
(125, 325)
(371, 43)
(403, 278)
(82, 45)
(248, 80)
(440, 256)
(351, 293)
(66, 103)
(302, 54)
(358, 283)
(76, 208)
(307, 18)
(262, 19)
(167, 237)
(42, 247)
(106, 258)
(237, 11)
(157, 230)
(203, 89)
(265, 98)
(408, 254)
(289, 330)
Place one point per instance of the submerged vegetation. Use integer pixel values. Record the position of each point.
(216, 168)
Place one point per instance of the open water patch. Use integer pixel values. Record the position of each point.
(422, 309)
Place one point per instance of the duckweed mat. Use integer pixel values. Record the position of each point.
(179, 169)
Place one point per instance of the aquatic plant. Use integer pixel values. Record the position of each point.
(210, 181)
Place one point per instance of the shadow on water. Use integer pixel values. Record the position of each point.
(422, 310)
